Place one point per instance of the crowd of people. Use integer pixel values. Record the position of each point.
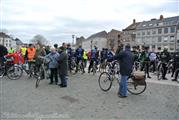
(60, 60)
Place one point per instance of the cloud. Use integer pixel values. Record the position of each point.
(57, 20)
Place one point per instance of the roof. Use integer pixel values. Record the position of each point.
(18, 41)
(2, 34)
(102, 34)
(133, 26)
(159, 23)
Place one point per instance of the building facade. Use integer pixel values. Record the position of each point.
(7, 41)
(129, 34)
(158, 33)
(99, 40)
(114, 39)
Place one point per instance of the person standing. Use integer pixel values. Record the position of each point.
(3, 52)
(63, 66)
(144, 57)
(79, 57)
(175, 65)
(11, 50)
(164, 57)
(153, 58)
(53, 65)
(126, 63)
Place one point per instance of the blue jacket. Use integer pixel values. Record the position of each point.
(53, 59)
(126, 62)
(79, 53)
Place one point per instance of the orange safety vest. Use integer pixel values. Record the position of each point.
(31, 53)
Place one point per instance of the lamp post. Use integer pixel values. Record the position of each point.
(73, 41)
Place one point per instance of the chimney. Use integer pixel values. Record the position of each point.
(161, 17)
(134, 21)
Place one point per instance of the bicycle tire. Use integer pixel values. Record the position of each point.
(133, 86)
(159, 73)
(37, 82)
(2, 71)
(39, 76)
(14, 72)
(107, 79)
(94, 69)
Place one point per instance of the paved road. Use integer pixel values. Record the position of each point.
(83, 99)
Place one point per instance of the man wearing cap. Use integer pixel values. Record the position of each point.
(126, 62)
(164, 57)
(175, 65)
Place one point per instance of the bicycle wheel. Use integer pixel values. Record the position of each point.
(94, 68)
(37, 81)
(105, 81)
(136, 87)
(2, 71)
(40, 75)
(159, 73)
(14, 72)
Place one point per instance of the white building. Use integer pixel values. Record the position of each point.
(7, 41)
(99, 40)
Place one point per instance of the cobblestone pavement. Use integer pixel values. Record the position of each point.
(83, 99)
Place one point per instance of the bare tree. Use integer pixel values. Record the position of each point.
(39, 39)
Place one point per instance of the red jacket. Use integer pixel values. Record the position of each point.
(17, 57)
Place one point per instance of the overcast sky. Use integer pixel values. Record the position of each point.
(58, 20)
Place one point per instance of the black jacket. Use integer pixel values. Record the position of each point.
(126, 62)
(3, 51)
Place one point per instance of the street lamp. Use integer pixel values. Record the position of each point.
(73, 41)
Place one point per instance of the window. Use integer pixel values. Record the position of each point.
(165, 30)
(160, 24)
(154, 32)
(144, 25)
(165, 38)
(159, 39)
(172, 29)
(138, 33)
(159, 48)
(172, 38)
(177, 41)
(150, 24)
(9, 45)
(148, 33)
(159, 31)
(143, 33)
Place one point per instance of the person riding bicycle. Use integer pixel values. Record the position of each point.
(144, 57)
(3, 52)
(69, 53)
(40, 51)
(94, 58)
(153, 58)
(85, 58)
(79, 57)
(135, 55)
(164, 58)
(175, 65)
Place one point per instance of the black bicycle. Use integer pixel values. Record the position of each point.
(136, 82)
(44, 72)
(11, 70)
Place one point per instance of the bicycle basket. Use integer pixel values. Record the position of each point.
(138, 76)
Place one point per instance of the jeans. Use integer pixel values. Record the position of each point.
(53, 74)
(123, 85)
(63, 80)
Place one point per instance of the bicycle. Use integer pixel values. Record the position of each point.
(136, 83)
(12, 71)
(44, 72)
(160, 69)
(111, 75)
